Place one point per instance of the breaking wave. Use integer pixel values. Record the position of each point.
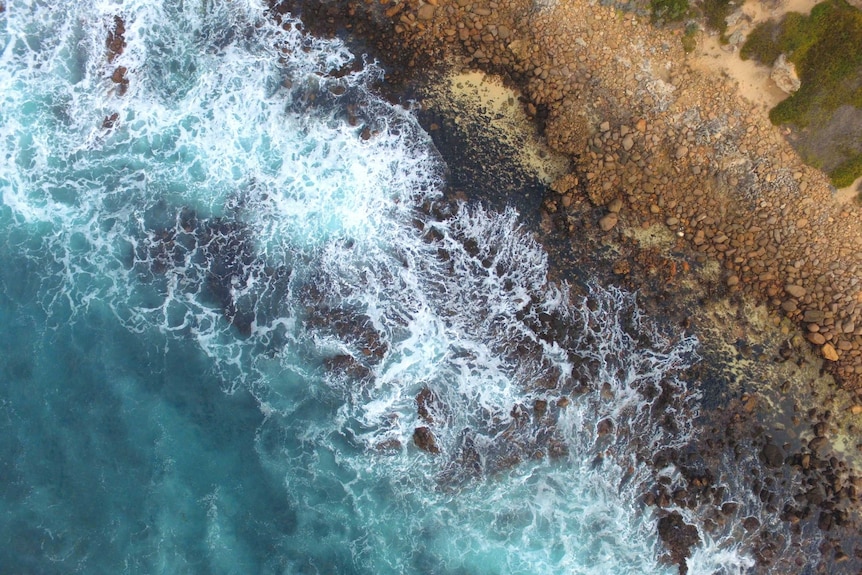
(197, 173)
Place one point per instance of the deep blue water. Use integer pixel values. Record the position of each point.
(219, 302)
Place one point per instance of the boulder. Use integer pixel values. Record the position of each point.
(737, 38)
(608, 222)
(784, 75)
(425, 440)
(735, 17)
(540, 408)
(628, 142)
(426, 12)
(772, 455)
(426, 404)
(829, 352)
(678, 537)
(816, 338)
(795, 291)
(813, 316)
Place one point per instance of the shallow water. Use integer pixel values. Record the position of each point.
(220, 306)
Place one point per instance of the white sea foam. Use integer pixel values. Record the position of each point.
(234, 186)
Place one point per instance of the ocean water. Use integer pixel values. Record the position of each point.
(230, 293)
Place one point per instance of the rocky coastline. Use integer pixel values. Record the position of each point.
(683, 191)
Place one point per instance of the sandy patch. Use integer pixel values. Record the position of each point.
(655, 236)
(476, 94)
(849, 193)
(752, 78)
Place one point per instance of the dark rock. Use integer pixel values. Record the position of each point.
(772, 455)
(751, 523)
(820, 429)
(540, 407)
(425, 440)
(678, 537)
(119, 77)
(465, 464)
(825, 520)
(109, 121)
(604, 427)
(818, 444)
(116, 40)
(388, 446)
(816, 495)
(729, 508)
(694, 468)
(347, 365)
(519, 414)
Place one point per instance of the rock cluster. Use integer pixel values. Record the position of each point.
(657, 145)
(677, 147)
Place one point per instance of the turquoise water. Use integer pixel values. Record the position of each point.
(220, 299)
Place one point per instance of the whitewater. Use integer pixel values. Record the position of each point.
(235, 304)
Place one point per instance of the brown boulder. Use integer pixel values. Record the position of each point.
(678, 537)
(425, 404)
(608, 222)
(426, 12)
(425, 440)
(772, 455)
(816, 338)
(795, 291)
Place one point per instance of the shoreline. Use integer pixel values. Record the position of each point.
(630, 137)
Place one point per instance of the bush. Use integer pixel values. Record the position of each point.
(761, 44)
(826, 48)
(689, 39)
(716, 12)
(668, 10)
(847, 172)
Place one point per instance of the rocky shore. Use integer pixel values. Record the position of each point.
(684, 191)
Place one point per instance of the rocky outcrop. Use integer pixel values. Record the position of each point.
(424, 439)
(784, 75)
(679, 537)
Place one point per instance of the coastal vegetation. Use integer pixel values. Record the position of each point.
(715, 13)
(826, 48)
(669, 10)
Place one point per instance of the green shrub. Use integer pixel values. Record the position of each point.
(761, 43)
(668, 10)
(826, 47)
(689, 39)
(716, 12)
(847, 172)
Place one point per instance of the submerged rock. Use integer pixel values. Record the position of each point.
(424, 439)
(772, 455)
(679, 537)
(426, 404)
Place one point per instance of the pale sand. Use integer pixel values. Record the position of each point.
(851, 192)
(752, 79)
